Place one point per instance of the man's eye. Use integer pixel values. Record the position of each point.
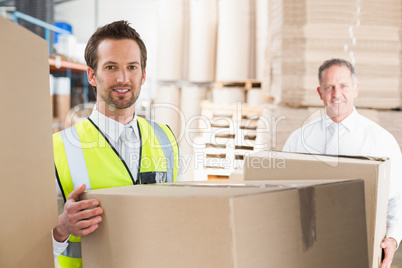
(344, 86)
(132, 67)
(329, 87)
(109, 67)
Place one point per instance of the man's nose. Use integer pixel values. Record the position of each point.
(337, 91)
(122, 76)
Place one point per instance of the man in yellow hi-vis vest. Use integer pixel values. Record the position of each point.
(113, 147)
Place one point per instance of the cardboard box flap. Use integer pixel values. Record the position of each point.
(320, 156)
(222, 189)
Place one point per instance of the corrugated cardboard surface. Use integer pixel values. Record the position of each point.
(303, 34)
(28, 206)
(254, 224)
(292, 166)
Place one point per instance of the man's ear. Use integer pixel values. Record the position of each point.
(319, 92)
(357, 87)
(144, 75)
(91, 76)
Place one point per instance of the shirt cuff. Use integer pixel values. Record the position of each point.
(59, 247)
(394, 233)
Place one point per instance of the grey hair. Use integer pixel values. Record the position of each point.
(339, 62)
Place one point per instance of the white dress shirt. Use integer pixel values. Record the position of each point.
(112, 130)
(358, 136)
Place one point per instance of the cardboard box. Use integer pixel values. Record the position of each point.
(28, 206)
(303, 35)
(269, 165)
(221, 224)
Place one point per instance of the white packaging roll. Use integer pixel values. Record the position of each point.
(202, 40)
(261, 40)
(170, 40)
(254, 97)
(264, 127)
(191, 97)
(233, 40)
(166, 109)
(228, 95)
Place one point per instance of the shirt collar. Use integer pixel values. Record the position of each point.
(349, 122)
(110, 127)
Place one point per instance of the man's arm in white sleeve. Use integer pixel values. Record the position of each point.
(59, 247)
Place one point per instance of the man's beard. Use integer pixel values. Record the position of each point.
(118, 103)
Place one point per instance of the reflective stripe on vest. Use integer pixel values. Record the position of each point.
(73, 250)
(75, 158)
(166, 147)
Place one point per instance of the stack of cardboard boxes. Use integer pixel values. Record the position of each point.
(303, 34)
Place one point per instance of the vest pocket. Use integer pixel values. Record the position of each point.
(153, 177)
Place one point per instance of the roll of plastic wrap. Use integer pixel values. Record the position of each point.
(170, 40)
(228, 95)
(254, 97)
(261, 40)
(191, 97)
(233, 40)
(166, 108)
(202, 40)
(264, 135)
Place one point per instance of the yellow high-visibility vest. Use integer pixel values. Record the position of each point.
(83, 155)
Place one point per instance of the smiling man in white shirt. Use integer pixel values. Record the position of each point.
(343, 131)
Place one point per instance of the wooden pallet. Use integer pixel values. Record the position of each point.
(219, 157)
(236, 112)
(246, 84)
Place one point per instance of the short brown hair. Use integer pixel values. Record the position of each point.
(116, 30)
(339, 62)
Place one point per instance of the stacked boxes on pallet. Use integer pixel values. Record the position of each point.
(303, 34)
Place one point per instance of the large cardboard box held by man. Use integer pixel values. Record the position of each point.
(28, 206)
(270, 165)
(255, 224)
